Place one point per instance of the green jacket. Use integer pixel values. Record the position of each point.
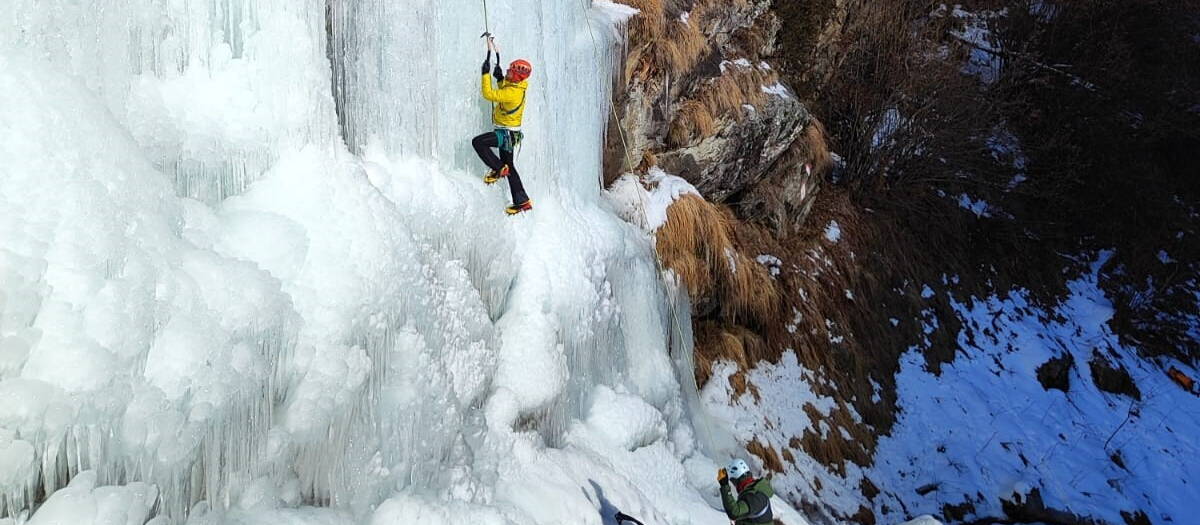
(753, 505)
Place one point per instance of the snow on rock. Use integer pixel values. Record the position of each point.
(613, 12)
(886, 125)
(985, 61)
(833, 232)
(777, 89)
(771, 263)
(979, 207)
(607, 18)
(741, 63)
(644, 202)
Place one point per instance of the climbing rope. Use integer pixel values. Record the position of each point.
(667, 290)
(487, 27)
(658, 263)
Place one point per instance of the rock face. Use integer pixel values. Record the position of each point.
(699, 97)
(890, 378)
(742, 153)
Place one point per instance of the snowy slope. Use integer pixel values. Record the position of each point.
(985, 431)
(987, 422)
(212, 309)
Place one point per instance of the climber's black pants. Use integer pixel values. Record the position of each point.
(483, 146)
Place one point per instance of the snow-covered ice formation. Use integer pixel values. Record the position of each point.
(247, 274)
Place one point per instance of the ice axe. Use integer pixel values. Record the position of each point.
(491, 42)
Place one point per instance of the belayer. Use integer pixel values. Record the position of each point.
(753, 503)
(508, 109)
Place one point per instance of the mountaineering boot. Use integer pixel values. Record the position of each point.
(518, 208)
(493, 176)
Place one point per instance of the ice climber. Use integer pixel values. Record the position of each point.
(753, 503)
(508, 108)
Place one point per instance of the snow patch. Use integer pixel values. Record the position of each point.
(778, 89)
(992, 424)
(644, 207)
(771, 262)
(887, 124)
(833, 232)
(978, 207)
(985, 61)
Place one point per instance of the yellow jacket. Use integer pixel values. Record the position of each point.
(509, 99)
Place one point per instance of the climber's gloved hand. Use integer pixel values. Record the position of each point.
(722, 477)
(487, 65)
(498, 73)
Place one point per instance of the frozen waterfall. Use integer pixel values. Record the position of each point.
(248, 273)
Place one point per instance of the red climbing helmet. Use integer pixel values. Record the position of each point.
(519, 70)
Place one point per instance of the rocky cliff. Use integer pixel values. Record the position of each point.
(949, 322)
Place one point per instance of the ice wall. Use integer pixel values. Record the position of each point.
(248, 262)
(407, 89)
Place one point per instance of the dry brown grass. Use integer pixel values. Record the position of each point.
(665, 42)
(729, 342)
(738, 87)
(649, 22)
(684, 44)
(833, 449)
(788, 456)
(649, 160)
(699, 244)
(864, 516)
(767, 454)
(815, 142)
(693, 121)
(693, 241)
(713, 344)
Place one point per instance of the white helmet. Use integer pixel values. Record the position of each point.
(737, 468)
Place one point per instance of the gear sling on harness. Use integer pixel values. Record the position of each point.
(508, 139)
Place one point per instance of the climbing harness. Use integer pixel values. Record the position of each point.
(507, 139)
